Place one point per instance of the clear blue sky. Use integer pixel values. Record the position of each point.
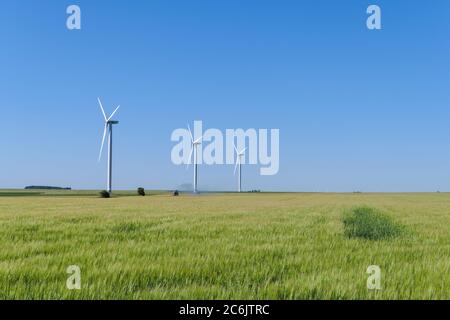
(357, 109)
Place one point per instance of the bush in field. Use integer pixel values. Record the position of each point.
(104, 194)
(141, 191)
(369, 223)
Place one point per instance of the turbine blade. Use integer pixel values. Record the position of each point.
(190, 157)
(103, 110)
(235, 149)
(190, 133)
(236, 165)
(243, 151)
(103, 142)
(112, 114)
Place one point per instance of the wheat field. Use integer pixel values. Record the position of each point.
(219, 246)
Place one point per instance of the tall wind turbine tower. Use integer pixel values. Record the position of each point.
(239, 156)
(194, 145)
(108, 131)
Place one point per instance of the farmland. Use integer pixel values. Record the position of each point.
(219, 246)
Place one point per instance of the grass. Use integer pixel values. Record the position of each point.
(369, 223)
(220, 246)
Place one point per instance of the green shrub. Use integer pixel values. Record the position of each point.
(104, 194)
(369, 223)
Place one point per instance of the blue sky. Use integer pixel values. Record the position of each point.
(357, 109)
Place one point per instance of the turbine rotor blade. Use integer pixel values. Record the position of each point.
(112, 114)
(103, 110)
(243, 151)
(190, 157)
(103, 142)
(236, 165)
(190, 133)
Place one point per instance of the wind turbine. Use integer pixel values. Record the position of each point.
(194, 145)
(239, 156)
(108, 130)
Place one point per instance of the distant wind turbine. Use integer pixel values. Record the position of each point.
(108, 130)
(194, 145)
(239, 156)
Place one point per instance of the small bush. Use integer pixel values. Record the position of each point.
(369, 223)
(141, 191)
(104, 194)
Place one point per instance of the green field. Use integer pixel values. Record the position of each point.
(219, 246)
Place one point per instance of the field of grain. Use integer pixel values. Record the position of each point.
(219, 246)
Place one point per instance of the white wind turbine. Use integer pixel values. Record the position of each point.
(108, 129)
(239, 156)
(194, 145)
